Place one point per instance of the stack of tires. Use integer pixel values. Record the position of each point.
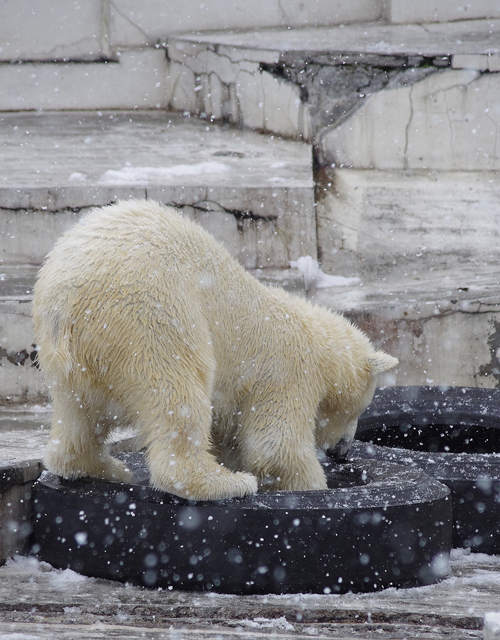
(422, 476)
(451, 433)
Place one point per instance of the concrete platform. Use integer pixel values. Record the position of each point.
(254, 193)
(42, 602)
(269, 45)
(302, 82)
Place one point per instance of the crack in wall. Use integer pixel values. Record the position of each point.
(407, 130)
(213, 207)
(131, 23)
(46, 210)
(334, 89)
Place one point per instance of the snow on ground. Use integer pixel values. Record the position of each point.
(144, 175)
(466, 570)
(314, 278)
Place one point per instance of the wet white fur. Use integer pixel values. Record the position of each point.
(142, 318)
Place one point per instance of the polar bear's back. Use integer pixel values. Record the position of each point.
(139, 241)
(161, 233)
(138, 265)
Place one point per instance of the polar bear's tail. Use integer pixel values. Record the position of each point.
(53, 335)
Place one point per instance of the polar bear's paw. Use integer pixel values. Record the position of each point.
(114, 470)
(217, 484)
(102, 466)
(222, 487)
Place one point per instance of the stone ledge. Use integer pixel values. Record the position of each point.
(447, 121)
(429, 40)
(374, 223)
(68, 29)
(404, 11)
(253, 192)
(307, 83)
(52, 30)
(139, 80)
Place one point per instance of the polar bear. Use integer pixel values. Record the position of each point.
(143, 319)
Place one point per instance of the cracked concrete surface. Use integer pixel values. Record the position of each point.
(448, 121)
(308, 83)
(58, 165)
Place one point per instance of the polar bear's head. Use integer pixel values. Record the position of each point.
(337, 417)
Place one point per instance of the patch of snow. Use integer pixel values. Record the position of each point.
(76, 176)
(60, 579)
(315, 278)
(144, 175)
(268, 623)
(311, 631)
(491, 625)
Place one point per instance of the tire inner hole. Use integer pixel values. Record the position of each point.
(434, 438)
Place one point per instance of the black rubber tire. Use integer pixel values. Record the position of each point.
(469, 419)
(383, 525)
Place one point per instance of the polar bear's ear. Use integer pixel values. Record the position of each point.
(381, 361)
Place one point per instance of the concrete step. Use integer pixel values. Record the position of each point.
(50, 30)
(109, 55)
(253, 192)
(427, 268)
(20, 380)
(442, 324)
(308, 83)
(62, 30)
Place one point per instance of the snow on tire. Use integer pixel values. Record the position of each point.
(453, 434)
(379, 525)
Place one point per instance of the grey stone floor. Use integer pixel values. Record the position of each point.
(42, 602)
(74, 151)
(38, 601)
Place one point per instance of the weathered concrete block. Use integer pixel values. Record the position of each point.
(262, 187)
(138, 81)
(448, 121)
(480, 62)
(134, 24)
(403, 11)
(19, 379)
(27, 235)
(260, 230)
(388, 222)
(204, 82)
(471, 61)
(425, 246)
(443, 333)
(53, 30)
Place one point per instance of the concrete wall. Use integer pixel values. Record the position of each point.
(404, 11)
(94, 29)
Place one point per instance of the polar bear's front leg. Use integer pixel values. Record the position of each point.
(177, 437)
(277, 444)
